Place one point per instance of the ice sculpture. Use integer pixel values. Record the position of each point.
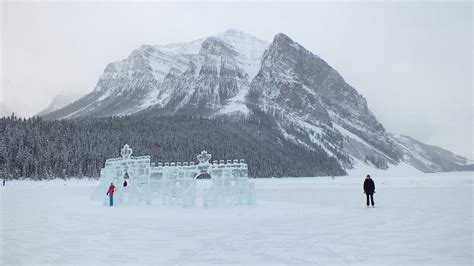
(175, 183)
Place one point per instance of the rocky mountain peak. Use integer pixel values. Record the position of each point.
(282, 39)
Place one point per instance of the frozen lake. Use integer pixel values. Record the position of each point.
(425, 219)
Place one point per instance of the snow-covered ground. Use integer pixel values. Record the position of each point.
(423, 219)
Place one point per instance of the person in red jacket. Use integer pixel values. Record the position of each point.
(110, 193)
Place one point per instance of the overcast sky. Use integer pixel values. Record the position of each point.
(412, 61)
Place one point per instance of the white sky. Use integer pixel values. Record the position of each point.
(412, 61)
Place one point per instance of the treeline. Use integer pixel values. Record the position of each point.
(38, 148)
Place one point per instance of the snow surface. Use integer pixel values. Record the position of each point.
(418, 219)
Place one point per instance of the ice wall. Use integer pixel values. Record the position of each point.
(174, 183)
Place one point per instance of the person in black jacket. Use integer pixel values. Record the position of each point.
(369, 189)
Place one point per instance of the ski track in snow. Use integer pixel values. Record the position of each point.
(425, 219)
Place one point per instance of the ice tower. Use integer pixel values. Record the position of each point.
(137, 172)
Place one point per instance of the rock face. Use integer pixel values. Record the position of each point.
(237, 75)
(309, 97)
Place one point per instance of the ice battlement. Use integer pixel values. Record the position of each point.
(131, 158)
(214, 164)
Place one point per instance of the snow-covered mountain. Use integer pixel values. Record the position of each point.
(429, 158)
(60, 101)
(211, 75)
(234, 74)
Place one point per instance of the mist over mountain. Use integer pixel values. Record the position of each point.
(60, 101)
(5, 110)
(237, 77)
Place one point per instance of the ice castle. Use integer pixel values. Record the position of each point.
(175, 183)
